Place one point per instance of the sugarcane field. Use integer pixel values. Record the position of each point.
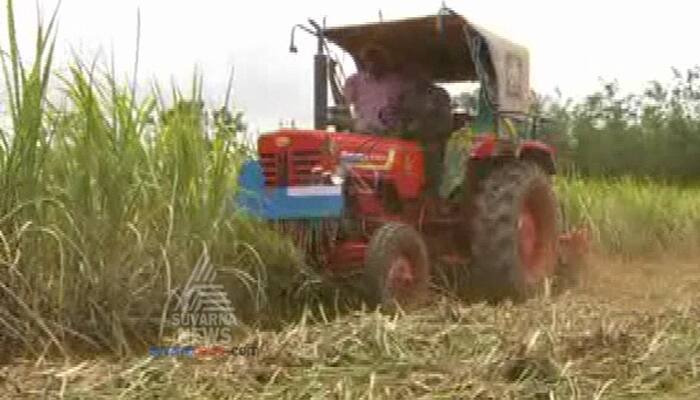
(372, 200)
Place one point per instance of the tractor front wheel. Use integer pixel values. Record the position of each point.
(397, 269)
(514, 240)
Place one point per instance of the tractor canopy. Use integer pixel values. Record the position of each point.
(448, 48)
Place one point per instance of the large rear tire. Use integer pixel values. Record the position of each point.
(514, 233)
(397, 268)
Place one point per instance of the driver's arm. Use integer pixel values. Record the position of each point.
(350, 89)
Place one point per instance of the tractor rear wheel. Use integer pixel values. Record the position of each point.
(397, 269)
(514, 233)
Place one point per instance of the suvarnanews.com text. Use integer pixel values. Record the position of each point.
(203, 351)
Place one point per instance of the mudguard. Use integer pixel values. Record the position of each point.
(285, 202)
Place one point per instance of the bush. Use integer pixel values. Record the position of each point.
(654, 134)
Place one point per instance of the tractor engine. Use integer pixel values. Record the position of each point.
(318, 186)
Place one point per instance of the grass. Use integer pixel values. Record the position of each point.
(109, 201)
(634, 217)
(105, 194)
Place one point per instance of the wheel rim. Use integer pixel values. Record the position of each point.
(402, 275)
(534, 239)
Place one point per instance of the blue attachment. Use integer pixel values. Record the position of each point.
(285, 202)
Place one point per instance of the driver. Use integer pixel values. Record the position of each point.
(375, 92)
(389, 101)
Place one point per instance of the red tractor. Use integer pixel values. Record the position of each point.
(358, 202)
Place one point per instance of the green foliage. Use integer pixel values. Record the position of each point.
(653, 134)
(22, 154)
(106, 209)
(634, 217)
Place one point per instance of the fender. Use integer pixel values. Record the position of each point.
(488, 146)
(540, 153)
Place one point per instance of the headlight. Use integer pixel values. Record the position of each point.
(338, 177)
(337, 180)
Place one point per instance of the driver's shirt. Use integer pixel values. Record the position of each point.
(375, 101)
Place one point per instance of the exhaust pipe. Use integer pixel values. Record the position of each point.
(321, 63)
(320, 80)
(320, 91)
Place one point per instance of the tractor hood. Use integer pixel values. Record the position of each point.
(449, 49)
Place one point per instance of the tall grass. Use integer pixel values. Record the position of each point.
(107, 205)
(634, 217)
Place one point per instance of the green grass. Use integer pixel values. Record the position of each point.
(634, 217)
(107, 205)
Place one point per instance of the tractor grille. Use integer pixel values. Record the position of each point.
(268, 161)
(288, 168)
(301, 164)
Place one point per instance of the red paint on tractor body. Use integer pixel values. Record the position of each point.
(384, 180)
(296, 152)
(483, 146)
(347, 255)
(534, 145)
